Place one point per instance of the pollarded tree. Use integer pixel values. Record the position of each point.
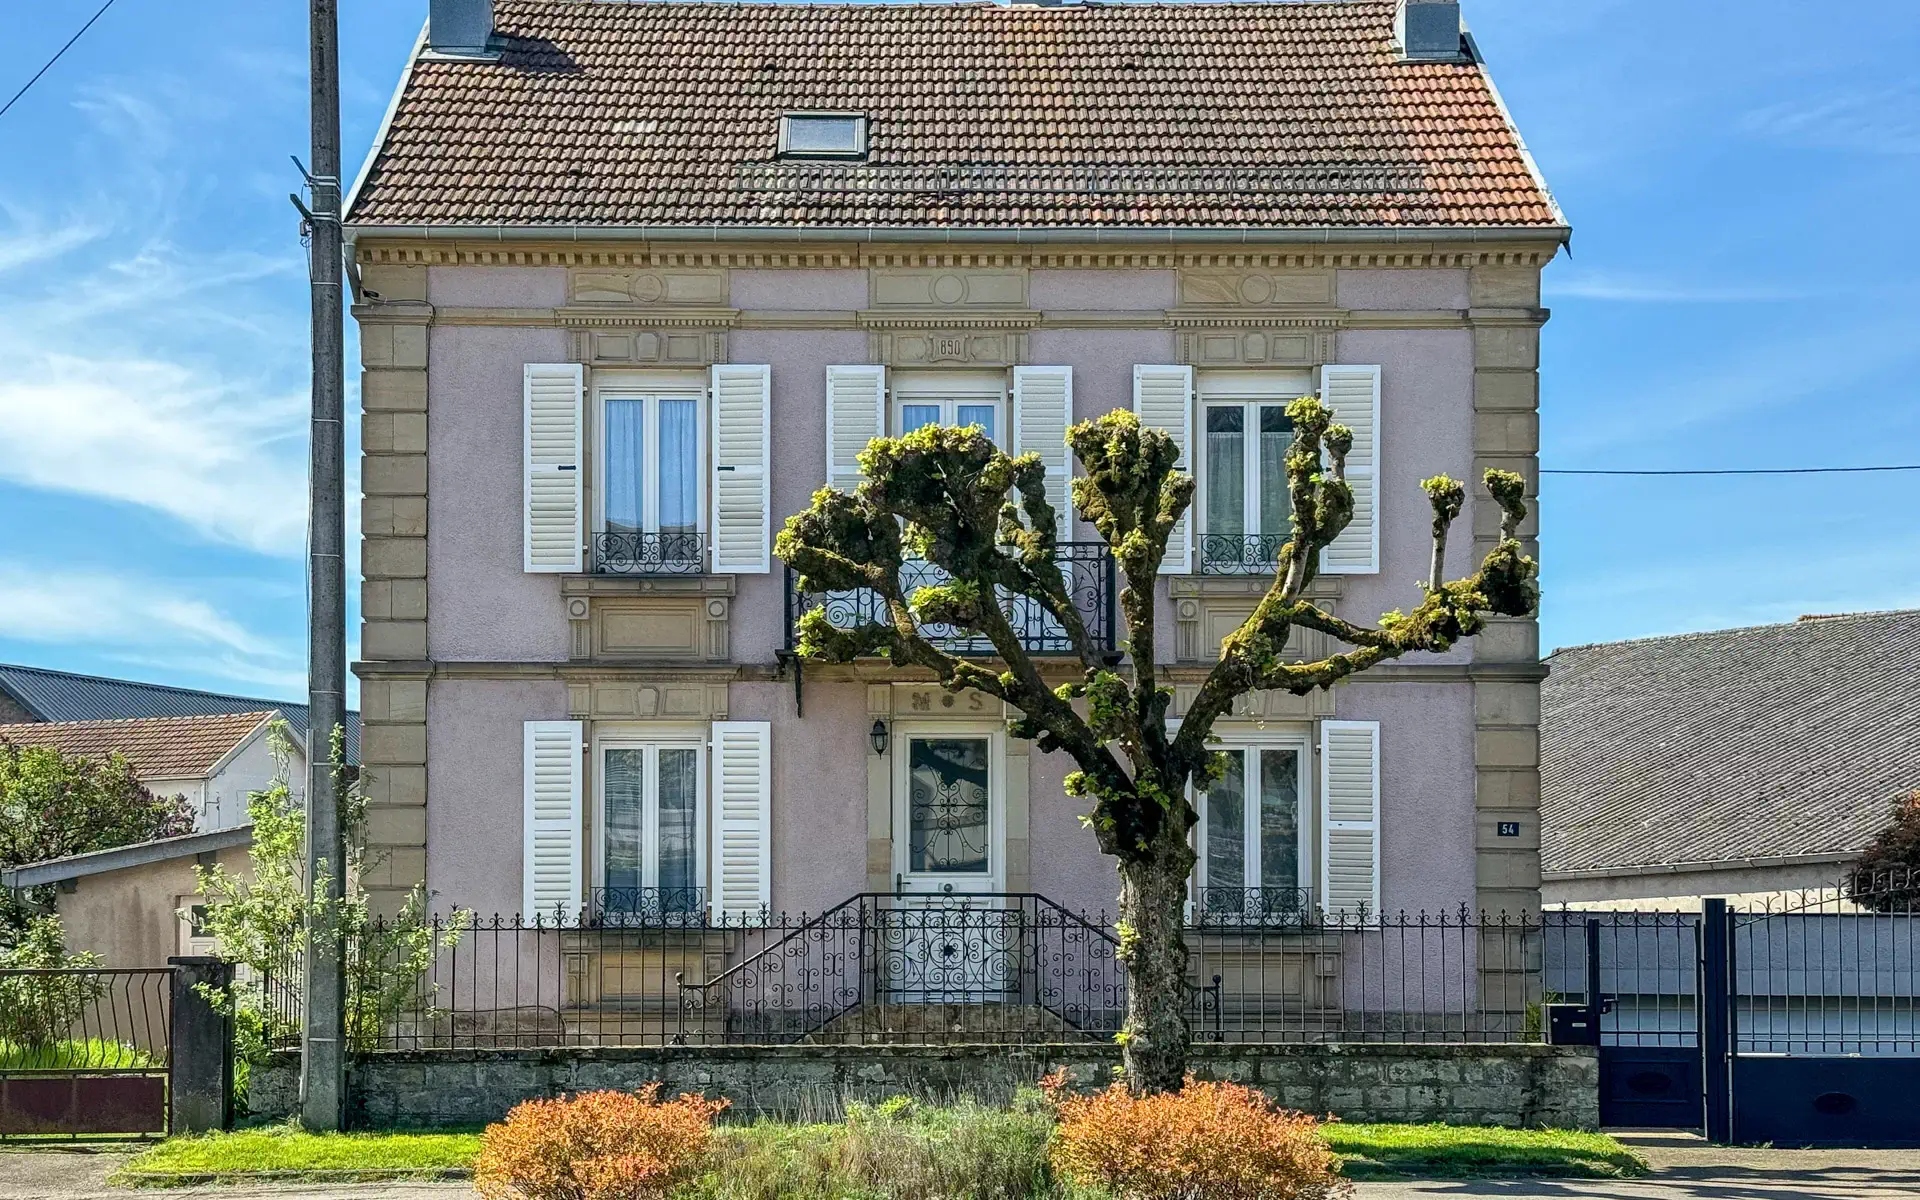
(952, 498)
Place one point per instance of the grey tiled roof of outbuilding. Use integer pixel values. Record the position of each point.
(1764, 742)
(1183, 115)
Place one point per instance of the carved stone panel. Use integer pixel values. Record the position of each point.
(651, 347)
(677, 285)
(1206, 608)
(665, 699)
(669, 620)
(928, 700)
(1240, 347)
(956, 347)
(1255, 288)
(957, 287)
(1264, 706)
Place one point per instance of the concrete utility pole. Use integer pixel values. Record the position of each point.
(323, 1043)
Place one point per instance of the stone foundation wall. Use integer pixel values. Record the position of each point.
(1522, 1085)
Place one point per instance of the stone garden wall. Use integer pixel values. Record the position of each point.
(1513, 1085)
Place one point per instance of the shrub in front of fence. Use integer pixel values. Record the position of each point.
(596, 1146)
(46, 991)
(1221, 1141)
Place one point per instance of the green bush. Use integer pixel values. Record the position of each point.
(38, 1010)
(896, 1150)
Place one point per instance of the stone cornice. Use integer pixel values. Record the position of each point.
(1257, 318)
(947, 318)
(372, 250)
(590, 316)
(879, 671)
(855, 320)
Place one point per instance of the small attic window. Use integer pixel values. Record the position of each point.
(823, 135)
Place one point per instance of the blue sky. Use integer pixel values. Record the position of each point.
(1741, 293)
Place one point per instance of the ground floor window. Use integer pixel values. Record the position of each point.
(1251, 836)
(651, 804)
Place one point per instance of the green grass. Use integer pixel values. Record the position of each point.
(291, 1153)
(1370, 1151)
(936, 1150)
(97, 1054)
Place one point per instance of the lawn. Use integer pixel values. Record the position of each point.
(98, 1054)
(1368, 1151)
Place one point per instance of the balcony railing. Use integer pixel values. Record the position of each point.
(1257, 908)
(649, 553)
(1086, 566)
(647, 908)
(1236, 554)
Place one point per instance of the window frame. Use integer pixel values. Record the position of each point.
(950, 390)
(651, 387)
(1251, 391)
(651, 739)
(1250, 743)
(784, 147)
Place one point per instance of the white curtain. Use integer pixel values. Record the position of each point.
(626, 433)
(679, 465)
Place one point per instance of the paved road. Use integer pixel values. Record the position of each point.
(1684, 1169)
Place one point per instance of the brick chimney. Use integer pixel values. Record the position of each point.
(1430, 31)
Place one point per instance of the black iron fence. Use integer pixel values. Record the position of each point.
(1086, 567)
(649, 553)
(990, 968)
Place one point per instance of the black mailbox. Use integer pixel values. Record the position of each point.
(1571, 1025)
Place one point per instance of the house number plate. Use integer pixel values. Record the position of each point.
(1509, 829)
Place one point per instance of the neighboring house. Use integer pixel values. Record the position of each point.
(134, 905)
(39, 694)
(634, 280)
(1746, 763)
(216, 762)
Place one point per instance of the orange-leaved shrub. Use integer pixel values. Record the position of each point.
(596, 1146)
(1208, 1141)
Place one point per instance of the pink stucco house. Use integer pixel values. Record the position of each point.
(633, 280)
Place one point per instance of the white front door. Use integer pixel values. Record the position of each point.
(948, 939)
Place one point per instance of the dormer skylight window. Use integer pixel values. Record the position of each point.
(823, 135)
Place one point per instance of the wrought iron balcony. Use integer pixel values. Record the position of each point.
(647, 908)
(1254, 908)
(1086, 566)
(649, 553)
(1236, 554)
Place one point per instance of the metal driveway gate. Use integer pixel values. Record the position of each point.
(85, 1051)
(1636, 975)
(1813, 1008)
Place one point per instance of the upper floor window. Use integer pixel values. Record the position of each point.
(652, 471)
(1245, 507)
(823, 135)
(955, 398)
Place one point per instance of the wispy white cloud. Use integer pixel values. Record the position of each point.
(121, 613)
(1879, 120)
(1634, 289)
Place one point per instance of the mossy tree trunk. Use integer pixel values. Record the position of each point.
(952, 498)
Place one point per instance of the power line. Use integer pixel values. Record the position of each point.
(1741, 471)
(56, 58)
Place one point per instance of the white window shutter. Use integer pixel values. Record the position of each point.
(555, 396)
(1042, 410)
(742, 439)
(742, 867)
(856, 414)
(1350, 816)
(550, 875)
(1163, 398)
(1353, 393)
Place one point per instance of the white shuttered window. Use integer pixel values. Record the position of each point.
(742, 438)
(1042, 410)
(550, 873)
(742, 846)
(553, 530)
(856, 414)
(1353, 393)
(1163, 398)
(1350, 816)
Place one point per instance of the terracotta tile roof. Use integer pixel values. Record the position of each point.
(1765, 742)
(158, 747)
(1294, 115)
